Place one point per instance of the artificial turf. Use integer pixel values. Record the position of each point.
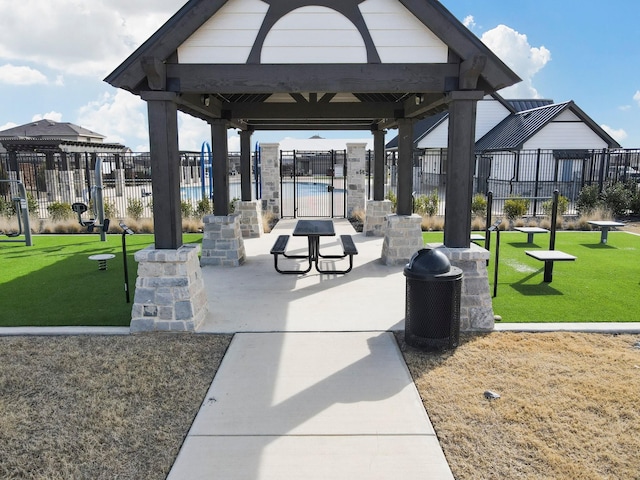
(53, 283)
(602, 285)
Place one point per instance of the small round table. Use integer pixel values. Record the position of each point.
(102, 259)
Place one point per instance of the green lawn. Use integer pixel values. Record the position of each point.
(53, 283)
(602, 285)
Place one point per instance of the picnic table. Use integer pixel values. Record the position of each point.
(548, 257)
(604, 226)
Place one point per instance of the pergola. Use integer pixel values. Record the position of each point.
(300, 64)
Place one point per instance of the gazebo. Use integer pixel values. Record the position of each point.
(298, 64)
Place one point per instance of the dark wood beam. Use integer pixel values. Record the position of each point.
(361, 78)
(327, 111)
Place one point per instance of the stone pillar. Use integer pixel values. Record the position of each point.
(170, 293)
(222, 243)
(476, 308)
(250, 219)
(376, 217)
(270, 178)
(402, 238)
(356, 177)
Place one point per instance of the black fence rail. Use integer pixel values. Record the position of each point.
(68, 177)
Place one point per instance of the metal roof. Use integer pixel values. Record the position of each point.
(520, 105)
(515, 130)
(50, 129)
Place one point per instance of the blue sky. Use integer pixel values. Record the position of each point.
(563, 49)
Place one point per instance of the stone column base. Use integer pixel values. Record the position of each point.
(476, 308)
(376, 217)
(222, 243)
(250, 219)
(402, 238)
(170, 293)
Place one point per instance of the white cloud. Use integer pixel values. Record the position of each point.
(13, 75)
(7, 126)
(79, 38)
(618, 135)
(469, 21)
(121, 117)
(55, 116)
(624, 108)
(636, 97)
(514, 49)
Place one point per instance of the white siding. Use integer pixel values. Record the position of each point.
(490, 113)
(565, 135)
(399, 36)
(228, 36)
(313, 34)
(437, 138)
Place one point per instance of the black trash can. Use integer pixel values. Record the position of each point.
(432, 317)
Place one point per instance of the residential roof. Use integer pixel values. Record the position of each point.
(515, 130)
(519, 105)
(49, 129)
(422, 128)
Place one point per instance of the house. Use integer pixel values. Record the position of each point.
(535, 144)
(48, 135)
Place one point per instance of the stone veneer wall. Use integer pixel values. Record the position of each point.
(270, 178)
(402, 238)
(250, 219)
(376, 217)
(170, 293)
(222, 243)
(356, 177)
(476, 308)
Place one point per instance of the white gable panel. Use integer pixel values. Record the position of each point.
(400, 37)
(437, 138)
(228, 36)
(567, 116)
(490, 113)
(571, 135)
(314, 35)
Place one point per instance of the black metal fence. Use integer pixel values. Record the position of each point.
(68, 177)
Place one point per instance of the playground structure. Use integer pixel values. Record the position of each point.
(21, 208)
(96, 201)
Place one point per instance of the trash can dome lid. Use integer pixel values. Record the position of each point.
(428, 261)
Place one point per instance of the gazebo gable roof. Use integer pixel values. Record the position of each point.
(296, 94)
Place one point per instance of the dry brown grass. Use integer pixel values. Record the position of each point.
(568, 407)
(100, 407)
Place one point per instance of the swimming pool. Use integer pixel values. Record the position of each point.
(303, 189)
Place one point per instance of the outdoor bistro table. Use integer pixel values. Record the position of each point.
(531, 231)
(604, 226)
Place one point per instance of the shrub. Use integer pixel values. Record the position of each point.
(203, 207)
(60, 211)
(394, 201)
(588, 199)
(563, 205)
(186, 209)
(6, 208)
(135, 208)
(110, 210)
(617, 198)
(427, 204)
(515, 207)
(479, 205)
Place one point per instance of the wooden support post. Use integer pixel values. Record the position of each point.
(405, 167)
(460, 168)
(165, 165)
(245, 165)
(378, 165)
(220, 168)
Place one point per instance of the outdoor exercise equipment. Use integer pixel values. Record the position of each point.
(21, 207)
(97, 202)
(125, 231)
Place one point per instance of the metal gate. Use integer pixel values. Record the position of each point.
(312, 184)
